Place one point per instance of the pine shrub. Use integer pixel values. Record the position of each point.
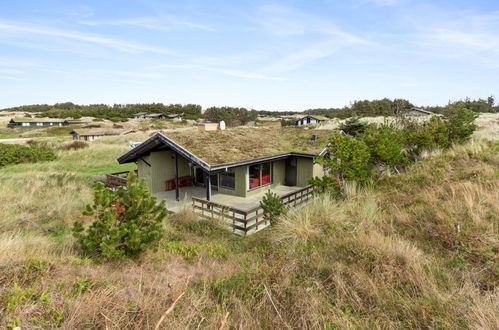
(127, 221)
(272, 206)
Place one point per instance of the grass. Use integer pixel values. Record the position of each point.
(247, 143)
(386, 256)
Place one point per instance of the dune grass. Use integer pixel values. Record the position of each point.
(416, 250)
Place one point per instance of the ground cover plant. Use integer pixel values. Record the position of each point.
(16, 154)
(415, 250)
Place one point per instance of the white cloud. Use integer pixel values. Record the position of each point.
(226, 71)
(287, 23)
(117, 44)
(153, 23)
(380, 2)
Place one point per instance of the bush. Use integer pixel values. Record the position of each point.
(272, 206)
(127, 221)
(75, 145)
(17, 154)
(348, 158)
(460, 121)
(385, 143)
(353, 126)
(428, 135)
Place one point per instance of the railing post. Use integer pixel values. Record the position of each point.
(256, 212)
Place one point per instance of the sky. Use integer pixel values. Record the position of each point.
(279, 55)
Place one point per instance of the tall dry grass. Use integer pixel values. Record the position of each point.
(385, 256)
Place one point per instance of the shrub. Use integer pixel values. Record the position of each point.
(327, 184)
(353, 126)
(16, 154)
(75, 145)
(348, 158)
(272, 206)
(127, 221)
(428, 135)
(385, 143)
(460, 121)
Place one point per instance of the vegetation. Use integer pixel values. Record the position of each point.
(117, 112)
(231, 116)
(75, 145)
(415, 250)
(387, 107)
(272, 206)
(385, 143)
(126, 222)
(237, 144)
(348, 158)
(460, 120)
(17, 154)
(388, 146)
(353, 126)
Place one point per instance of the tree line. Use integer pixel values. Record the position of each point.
(234, 116)
(115, 112)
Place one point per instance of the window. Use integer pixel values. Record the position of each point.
(228, 179)
(260, 175)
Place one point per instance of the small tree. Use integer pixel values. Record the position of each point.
(127, 221)
(427, 135)
(385, 143)
(348, 158)
(272, 206)
(353, 126)
(461, 122)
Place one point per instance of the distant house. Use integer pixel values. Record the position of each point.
(308, 120)
(417, 112)
(95, 133)
(226, 173)
(175, 117)
(155, 116)
(36, 122)
(140, 115)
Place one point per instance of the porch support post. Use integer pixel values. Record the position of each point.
(177, 192)
(207, 182)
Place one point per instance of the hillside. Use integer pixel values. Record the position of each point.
(415, 250)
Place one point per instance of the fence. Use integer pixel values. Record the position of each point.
(246, 222)
(117, 179)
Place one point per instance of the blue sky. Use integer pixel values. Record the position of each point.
(281, 55)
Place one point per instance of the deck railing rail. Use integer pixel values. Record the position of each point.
(245, 222)
(117, 179)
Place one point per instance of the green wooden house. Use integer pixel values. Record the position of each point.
(230, 170)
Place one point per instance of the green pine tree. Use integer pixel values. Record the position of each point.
(127, 221)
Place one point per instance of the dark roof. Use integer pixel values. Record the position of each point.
(318, 117)
(37, 120)
(426, 112)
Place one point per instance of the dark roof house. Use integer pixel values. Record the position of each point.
(36, 122)
(230, 169)
(311, 119)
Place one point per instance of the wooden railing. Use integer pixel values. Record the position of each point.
(117, 179)
(246, 222)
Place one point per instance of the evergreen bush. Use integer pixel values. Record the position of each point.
(272, 206)
(127, 221)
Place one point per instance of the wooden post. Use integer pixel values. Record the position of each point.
(177, 192)
(256, 219)
(207, 182)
